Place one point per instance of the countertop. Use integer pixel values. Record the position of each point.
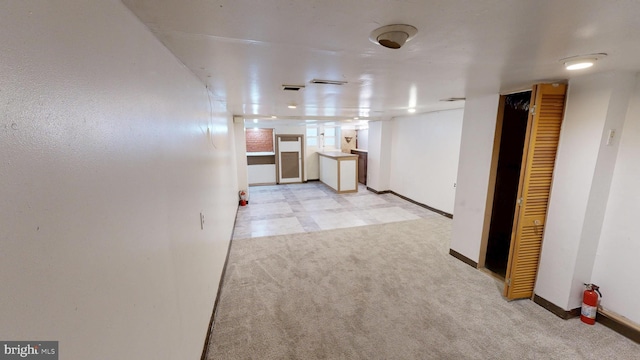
(337, 154)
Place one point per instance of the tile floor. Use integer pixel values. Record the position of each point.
(298, 208)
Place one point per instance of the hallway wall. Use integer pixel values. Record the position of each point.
(581, 182)
(616, 261)
(110, 152)
(424, 157)
(474, 165)
(379, 155)
(591, 227)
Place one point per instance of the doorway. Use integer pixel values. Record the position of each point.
(290, 163)
(515, 113)
(526, 209)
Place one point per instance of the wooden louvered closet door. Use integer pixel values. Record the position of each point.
(543, 132)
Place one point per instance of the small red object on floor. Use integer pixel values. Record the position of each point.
(590, 301)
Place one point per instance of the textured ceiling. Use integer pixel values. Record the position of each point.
(246, 50)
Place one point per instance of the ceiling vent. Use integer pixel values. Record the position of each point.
(292, 87)
(451, 99)
(393, 36)
(328, 82)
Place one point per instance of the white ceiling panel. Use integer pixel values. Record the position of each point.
(244, 51)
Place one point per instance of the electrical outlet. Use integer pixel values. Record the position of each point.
(612, 134)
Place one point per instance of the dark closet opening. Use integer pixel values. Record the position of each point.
(514, 128)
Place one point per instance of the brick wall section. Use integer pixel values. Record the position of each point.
(259, 140)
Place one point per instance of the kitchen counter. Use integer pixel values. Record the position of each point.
(339, 171)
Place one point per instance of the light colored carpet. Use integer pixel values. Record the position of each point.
(386, 291)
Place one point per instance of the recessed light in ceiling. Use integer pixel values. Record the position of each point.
(292, 106)
(274, 117)
(581, 61)
(579, 64)
(393, 36)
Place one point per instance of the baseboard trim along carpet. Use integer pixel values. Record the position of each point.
(555, 309)
(437, 211)
(463, 258)
(207, 339)
(619, 324)
(609, 319)
(378, 192)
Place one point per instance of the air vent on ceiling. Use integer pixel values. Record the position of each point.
(454, 99)
(328, 82)
(292, 87)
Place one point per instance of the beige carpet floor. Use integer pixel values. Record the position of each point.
(386, 291)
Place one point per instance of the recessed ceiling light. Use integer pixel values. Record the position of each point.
(579, 64)
(292, 106)
(274, 117)
(581, 61)
(356, 118)
(412, 110)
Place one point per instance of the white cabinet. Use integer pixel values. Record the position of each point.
(261, 168)
(339, 171)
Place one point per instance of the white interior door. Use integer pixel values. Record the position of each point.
(290, 155)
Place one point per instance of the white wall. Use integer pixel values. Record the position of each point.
(379, 155)
(363, 139)
(312, 161)
(582, 177)
(478, 131)
(292, 130)
(109, 154)
(424, 157)
(240, 141)
(616, 266)
(345, 146)
(582, 126)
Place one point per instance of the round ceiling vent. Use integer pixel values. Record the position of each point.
(393, 36)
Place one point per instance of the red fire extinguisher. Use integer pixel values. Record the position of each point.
(590, 301)
(244, 199)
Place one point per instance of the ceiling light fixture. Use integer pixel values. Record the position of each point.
(292, 106)
(579, 64)
(581, 61)
(393, 36)
(274, 117)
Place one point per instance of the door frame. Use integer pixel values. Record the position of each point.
(301, 158)
(493, 173)
(526, 246)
